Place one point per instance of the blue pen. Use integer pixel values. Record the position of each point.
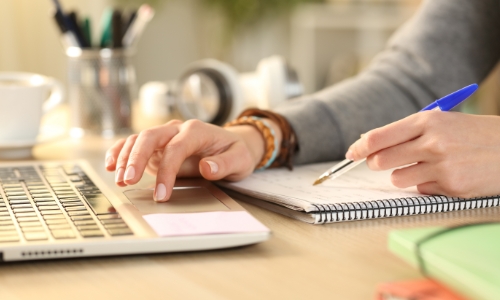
(444, 104)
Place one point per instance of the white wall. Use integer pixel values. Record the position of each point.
(29, 38)
(181, 31)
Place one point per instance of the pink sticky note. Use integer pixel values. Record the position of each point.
(204, 223)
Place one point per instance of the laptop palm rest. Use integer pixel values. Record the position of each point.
(183, 200)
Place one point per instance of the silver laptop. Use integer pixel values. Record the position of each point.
(52, 210)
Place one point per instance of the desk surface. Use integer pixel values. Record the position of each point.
(334, 261)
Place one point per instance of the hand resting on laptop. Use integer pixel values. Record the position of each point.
(186, 149)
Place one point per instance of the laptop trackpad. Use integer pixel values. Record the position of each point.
(183, 200)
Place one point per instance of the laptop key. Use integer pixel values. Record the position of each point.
(8, 233)
(20, 201)
(63, 189)
(63, 234)
(84, 222)
(8, 228)
(33, 229)
(48, 207)
(41, 195)
(30, 224)
(112, 216)
(100, 204)
(27, 219)
(52, 217)
(70, 200)
(21, 210)
(120, 231)
(56, 221)
(79, 218)
(71, 204)
(50, 212)
(76, 208)
(65, 192)
(91, 233)
(111, 221)
(9, 239)
(6, 222)
(37, 187)
(21, 193)
(13, 206)
(25, 214)
(117, 225)
(13, 189)
(68, 196)
(78, 213)
(59, 226)
(88, 227)
(44, 199)
(46, 203)
(35, 236)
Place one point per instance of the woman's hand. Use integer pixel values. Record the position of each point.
(186, 149)
(444, 153)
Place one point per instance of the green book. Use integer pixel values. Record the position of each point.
(467, 259)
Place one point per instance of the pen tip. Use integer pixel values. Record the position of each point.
(318, 181)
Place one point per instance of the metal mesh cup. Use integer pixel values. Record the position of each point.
(101, 85)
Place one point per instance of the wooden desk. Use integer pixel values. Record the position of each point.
(300, 261)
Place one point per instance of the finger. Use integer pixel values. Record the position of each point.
(392, 134)
(186, 143)
(397, 156)
(233, 164)
(112, 154)
(431, 188)
(189, 167)
(145, 145)
(122, 159)
(154, 161)
(413, 175)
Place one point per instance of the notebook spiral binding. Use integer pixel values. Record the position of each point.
(328, 213)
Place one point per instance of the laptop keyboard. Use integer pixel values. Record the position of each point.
(58, 202)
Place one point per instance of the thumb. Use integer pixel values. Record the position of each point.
(233, 164)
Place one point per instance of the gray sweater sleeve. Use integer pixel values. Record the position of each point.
(446, 45)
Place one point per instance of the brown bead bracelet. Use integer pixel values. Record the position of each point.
(289, 144)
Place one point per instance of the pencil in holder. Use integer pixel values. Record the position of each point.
(101, 86)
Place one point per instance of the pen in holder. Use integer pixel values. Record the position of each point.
(101, 86)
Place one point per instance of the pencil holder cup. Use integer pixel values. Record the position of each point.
(101, 87)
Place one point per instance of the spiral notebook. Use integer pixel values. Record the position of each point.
(357, 195)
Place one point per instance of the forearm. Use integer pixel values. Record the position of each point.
(446, 45)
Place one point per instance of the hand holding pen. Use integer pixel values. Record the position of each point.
(401, 142)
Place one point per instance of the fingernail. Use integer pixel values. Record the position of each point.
(349, 155)
(130, 173)
(119, 175)
(213, 167)
(109, 161)
(161, 192)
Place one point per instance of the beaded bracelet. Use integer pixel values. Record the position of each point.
(271, 143)
(289, 144)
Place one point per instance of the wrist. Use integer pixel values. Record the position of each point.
(254, 139)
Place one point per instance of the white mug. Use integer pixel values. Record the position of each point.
(24, 98)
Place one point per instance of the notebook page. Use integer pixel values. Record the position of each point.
(295, 190)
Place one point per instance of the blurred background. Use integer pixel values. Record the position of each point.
(324, 40)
